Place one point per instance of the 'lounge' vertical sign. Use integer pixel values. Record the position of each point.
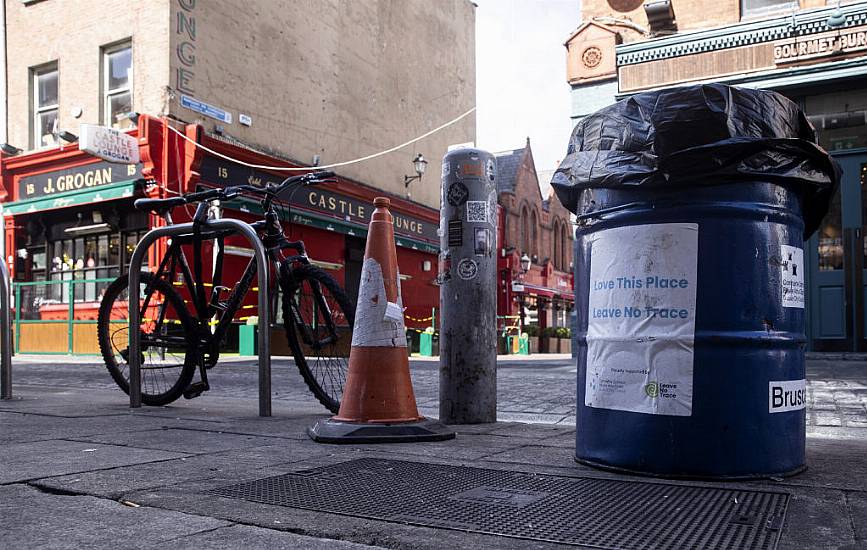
(185, 31)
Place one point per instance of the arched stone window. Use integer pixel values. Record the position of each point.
(525, 231)
(534, 244)
(555, 250)
(565, 244)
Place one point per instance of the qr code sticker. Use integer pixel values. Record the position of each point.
(477, 211)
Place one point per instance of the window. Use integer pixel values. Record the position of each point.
(117, 86)
(534, 244)
(525, 231)
(85, 258)
(840, 118)
(45, 107)
(555, 252)
(753, 8)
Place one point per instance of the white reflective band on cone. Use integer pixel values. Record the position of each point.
(372, 326)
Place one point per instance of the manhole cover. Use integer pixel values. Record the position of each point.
(583, 511)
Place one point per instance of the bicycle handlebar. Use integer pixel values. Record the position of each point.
(269, 190)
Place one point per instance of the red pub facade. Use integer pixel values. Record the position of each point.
(69, 216)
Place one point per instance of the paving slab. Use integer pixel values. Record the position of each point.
(857, 506)
(116, 482)
(190, 441)
(18, 427)
(68, 438)
(32, 519)
(23, 461)
(246, 536)
(463, 447)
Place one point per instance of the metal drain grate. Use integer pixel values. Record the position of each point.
(584, 511)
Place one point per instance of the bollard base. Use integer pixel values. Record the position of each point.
(333, 431)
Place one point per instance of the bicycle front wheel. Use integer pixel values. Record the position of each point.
(318, 317)
(167, 351)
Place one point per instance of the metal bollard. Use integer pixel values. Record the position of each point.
(5, 334)
(262, 272)
(468, 288)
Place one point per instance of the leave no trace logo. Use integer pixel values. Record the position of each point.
(652, 389)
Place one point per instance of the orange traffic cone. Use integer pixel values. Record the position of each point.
(378, 404)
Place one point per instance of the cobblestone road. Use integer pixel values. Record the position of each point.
(536, 390)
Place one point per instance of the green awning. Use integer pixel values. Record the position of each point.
(74, 198)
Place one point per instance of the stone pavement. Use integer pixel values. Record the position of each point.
(79, 469)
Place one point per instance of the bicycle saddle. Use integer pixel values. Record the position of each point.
(159, 206)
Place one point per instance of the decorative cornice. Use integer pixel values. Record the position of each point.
(738, 35)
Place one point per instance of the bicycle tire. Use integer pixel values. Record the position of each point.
(112, 310)
(326, 375)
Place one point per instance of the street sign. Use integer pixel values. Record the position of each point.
(206, 109)
(108, 144)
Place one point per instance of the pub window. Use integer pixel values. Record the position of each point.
(117, 85)
(753, 8)
(83, 259)
(45, 107)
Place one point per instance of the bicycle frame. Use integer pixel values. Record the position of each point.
(267, 249)
(274, 243)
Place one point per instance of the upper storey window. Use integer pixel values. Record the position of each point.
(117, 85)
(45, 107)
(758, 8)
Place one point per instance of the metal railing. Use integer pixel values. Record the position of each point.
(264, 307)
(57, 317)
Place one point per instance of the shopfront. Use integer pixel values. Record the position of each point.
(824, 70)
(71, 227)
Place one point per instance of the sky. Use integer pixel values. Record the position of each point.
(521, 88)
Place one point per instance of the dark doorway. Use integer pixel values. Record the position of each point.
(837, 318)
(353, 262)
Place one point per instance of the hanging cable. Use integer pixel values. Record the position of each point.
(335, 165)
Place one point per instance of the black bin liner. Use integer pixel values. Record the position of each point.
(700, 135)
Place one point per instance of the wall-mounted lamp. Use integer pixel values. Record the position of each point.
(9, 149)
(420, 164)
(525, 263)
(131, 116)
(67, 136)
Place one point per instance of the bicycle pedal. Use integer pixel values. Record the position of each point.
(195, 390)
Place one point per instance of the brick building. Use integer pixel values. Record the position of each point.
(812, 51)
(591, 64)
(536, 229)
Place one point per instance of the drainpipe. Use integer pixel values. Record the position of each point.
(4, 88)
(4, 137)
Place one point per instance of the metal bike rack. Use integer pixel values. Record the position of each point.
(5, 333)
(262, 267)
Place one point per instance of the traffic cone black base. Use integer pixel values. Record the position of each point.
(334, 431)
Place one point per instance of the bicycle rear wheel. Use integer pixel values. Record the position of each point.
(318, 317)
(167, 350)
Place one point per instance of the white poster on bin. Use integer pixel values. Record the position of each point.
(641, 319)
(792, 276)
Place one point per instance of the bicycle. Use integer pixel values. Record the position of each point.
(177, 340)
